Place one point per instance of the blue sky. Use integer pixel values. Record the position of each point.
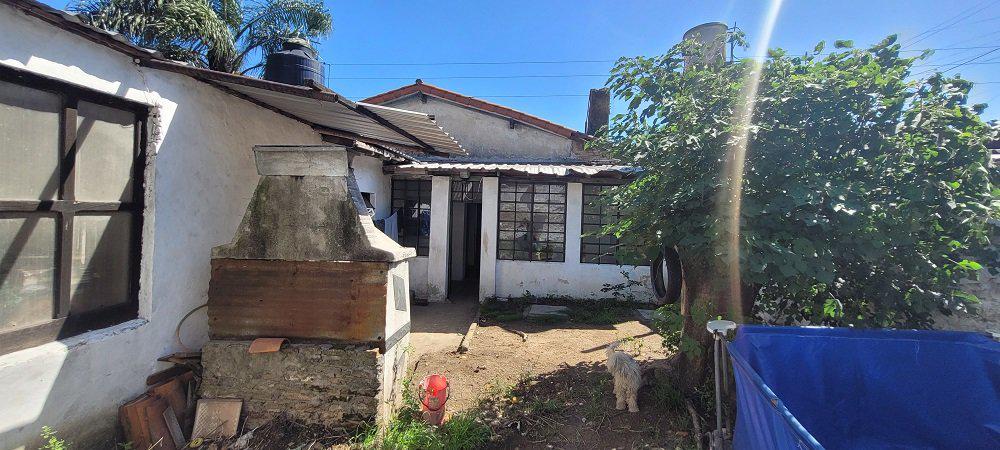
(367, 32)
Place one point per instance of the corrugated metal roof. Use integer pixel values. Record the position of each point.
(558, 170)
(421, 125)
(339, 115)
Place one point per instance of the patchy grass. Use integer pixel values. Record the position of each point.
(502, 311)
(407, 430)
(590, 312)
(600, 313)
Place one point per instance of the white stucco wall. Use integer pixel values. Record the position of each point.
(437, 255)
(488, 239)
(199, 180)
(566, 280)
(368, 173)
(418, 276)
(487, 136)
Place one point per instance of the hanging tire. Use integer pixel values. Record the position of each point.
(666, 276)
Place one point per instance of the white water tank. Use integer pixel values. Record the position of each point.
(712, 37)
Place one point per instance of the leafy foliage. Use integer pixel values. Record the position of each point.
(225, 35)
(52, 440)
(866, 196)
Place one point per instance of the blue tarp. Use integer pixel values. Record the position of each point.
(840, 388)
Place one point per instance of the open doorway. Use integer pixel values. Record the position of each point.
(466, 223)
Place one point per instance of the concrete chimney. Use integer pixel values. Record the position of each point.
(598, 110)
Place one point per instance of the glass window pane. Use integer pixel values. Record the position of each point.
(101, 261)
(27, 270)
(105, 153)
(29, 143)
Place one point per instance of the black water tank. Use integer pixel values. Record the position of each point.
(294, 64)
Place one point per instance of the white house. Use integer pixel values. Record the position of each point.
(514, 217)
(119, 172)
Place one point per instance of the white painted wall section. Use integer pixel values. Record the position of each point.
(437, 255)
(487, 136)
(418, 276)
(368, 173)
(488, 239)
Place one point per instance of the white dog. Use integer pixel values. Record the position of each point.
(627, 375)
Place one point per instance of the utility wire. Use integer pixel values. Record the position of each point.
(970, 61)
(488, 77)
(582, 61)
(948, 23)
(508, 96)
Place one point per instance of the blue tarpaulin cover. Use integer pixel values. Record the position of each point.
(841, 388)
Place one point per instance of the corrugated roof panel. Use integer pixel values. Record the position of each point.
(331, 114)
(528, 169)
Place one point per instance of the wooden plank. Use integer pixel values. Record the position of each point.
(297, 299)
(174, 427)
(134, 421)
(165, 375)
(159, 434)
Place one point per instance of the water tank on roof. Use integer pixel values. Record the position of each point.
(712, 38)
(294, 64)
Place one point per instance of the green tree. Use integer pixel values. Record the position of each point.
(865, 195)
(225, 35)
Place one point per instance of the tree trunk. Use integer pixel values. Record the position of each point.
(705, 296)
(702, 299)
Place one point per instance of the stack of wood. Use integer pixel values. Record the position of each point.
(164, 415)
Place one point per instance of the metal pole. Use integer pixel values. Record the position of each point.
(718, 396)
(719, 328)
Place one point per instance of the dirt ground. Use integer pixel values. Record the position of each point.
(557, 375)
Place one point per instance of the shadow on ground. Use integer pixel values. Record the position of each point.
(573, 407)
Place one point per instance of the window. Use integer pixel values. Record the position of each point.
(467, 191)
(594, 247)
(411, 200)
(532, 225)
(70, 209)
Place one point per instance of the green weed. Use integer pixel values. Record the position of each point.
(52, 441)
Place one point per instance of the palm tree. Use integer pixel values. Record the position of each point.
(226, 35)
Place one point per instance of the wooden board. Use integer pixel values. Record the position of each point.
(250, 298)
(142, 420)
(174, 391)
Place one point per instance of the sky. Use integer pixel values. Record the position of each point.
(381, 45)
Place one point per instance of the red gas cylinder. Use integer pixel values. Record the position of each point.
(433, 395)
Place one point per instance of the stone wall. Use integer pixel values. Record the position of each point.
(333, 385)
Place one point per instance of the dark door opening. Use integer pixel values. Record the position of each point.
(466, 226)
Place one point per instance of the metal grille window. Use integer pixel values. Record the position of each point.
(532, 225)
(468, 191)
(594, 247)
(411, 200)
(70, 209)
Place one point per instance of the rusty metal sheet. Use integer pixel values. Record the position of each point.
(249, 298)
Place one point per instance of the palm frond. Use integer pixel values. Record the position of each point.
(219, 34)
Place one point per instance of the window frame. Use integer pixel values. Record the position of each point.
(419, 182)
(531, 210)
(588, 258)
(65, 208)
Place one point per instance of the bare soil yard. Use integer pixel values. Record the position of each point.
(550, 390)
